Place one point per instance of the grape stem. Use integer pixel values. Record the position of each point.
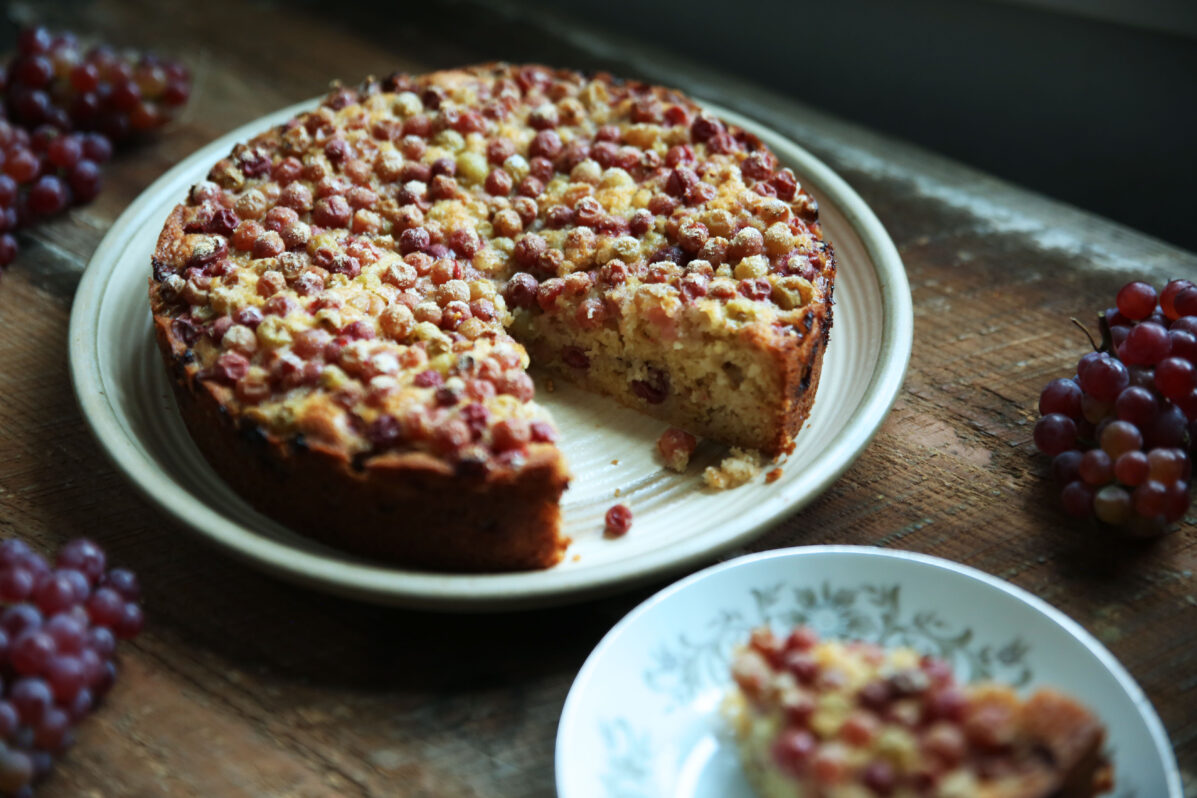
(1107, 337)
(1088, 334)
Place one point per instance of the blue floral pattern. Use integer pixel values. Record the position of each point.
(687, 665)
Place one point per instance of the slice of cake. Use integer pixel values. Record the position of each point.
(853, 720)
(347, 304)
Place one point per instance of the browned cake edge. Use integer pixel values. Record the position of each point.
(1075, 740)
(409, 507)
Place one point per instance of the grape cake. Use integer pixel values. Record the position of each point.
(830, 719)
(349, 302)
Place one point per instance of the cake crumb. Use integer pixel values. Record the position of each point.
(773, 476)
(740, 466)
(577, 558)
(615, 461)
(617, 493)
(676, 446)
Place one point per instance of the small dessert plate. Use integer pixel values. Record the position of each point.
(643, 718)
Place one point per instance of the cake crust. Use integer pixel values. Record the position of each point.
(336, 303)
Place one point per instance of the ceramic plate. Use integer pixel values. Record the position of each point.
(642, 719)
(123, 392)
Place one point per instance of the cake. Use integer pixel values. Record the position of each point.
(854, 720)
(348, 304)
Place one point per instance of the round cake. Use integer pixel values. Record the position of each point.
(349, 303)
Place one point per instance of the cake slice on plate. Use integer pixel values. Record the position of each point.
(829, 719)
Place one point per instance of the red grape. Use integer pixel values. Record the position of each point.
(85, 77)
(1077, 498)
(1175, 377)
(8, 249)
(30, 652)
(49, 196)
(8, 191)
(1131, 468)
(1066, 466)
(1168, 430)
(1151, 499)
(85, 182)
(1177, 501)
(1096, 467)
(22, 165)
(1137, 405)
(96, 147)
(1113, 505)
(32, 697)
(1055, 433)
(1168, 465)
(1185, 302)
(34, 41)
(1168, 297)
(66, 677)
(1114, 318)
(52, 730)
(1136, 301)
(1093, 410)
(1104, 378)
(1087, 360)
(1145, 345)
(33, 71)
(1120, 437)
(84, 556)
(65, 151)
(1188, 405)
(1061, 396)
(125, 582)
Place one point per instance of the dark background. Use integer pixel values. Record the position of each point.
(1093, 102)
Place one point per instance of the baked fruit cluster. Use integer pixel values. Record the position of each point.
(853, 720)
(1123, 430)
(349, 301)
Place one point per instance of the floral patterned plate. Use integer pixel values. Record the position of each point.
(642, 718)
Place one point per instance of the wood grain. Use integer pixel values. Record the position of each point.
(243, 685)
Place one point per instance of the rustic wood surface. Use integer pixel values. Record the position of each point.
(245, 686)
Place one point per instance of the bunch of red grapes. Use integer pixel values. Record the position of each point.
(1123, 430)
(58, 631)
(66, 107)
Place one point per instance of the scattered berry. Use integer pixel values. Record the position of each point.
(618, 520)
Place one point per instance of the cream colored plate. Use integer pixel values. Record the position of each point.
(123, 392)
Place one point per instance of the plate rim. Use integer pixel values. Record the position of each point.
(479, 592)
(1159, 735)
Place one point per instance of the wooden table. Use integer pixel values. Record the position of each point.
(242, 685)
